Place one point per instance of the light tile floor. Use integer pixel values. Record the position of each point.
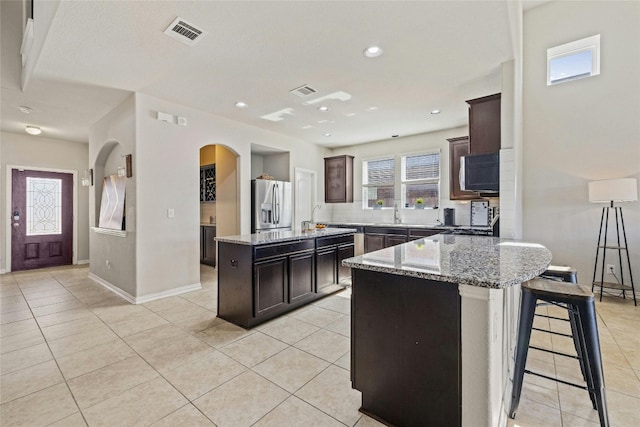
(74, 354)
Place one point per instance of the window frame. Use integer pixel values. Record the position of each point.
(587, 44)
(365, 187)
(404, 181)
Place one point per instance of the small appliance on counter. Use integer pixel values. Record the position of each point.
(449, 216)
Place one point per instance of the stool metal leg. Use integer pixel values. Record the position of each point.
(578, 342)
(527, 310)
(589, 326)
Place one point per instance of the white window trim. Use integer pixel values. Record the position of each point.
(365, 186)
(587, 44)
(403, 181)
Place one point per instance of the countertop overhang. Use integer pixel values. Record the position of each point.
(483, 261)
(282, 236)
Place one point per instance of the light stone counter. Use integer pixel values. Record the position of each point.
(282, 236)
(467, 260)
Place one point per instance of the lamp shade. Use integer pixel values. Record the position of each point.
(613, 190)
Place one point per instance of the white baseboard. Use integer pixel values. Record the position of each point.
(82, 261)
(146, 298)
(2, 271)
(113, 288)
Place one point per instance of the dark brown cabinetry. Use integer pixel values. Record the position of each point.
(257, 283)
(208, 245)
(338, 179)
(377, 238)
(458, 147)
(208, 183)
(484, 124)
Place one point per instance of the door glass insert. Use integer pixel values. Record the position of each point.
(44, 206)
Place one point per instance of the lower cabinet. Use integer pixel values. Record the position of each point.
(259, 282)
(377, 238)
(208, 245)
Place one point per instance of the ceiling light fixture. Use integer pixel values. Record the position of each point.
(241, 104)
(435, 111)
(323, 108)
(33, 130)
(24, 109)
(372, 108)
(373, 51)
(327, 135)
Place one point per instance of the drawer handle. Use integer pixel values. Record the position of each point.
(233, 263)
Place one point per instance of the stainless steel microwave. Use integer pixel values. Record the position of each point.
(480, 173)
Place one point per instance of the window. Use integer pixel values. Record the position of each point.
(44, 206)
(421, 179)
(574, 60)
(378, 177)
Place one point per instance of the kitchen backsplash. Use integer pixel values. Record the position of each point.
(207, 211)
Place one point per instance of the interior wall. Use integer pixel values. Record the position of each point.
(168, 255)
(111, 137)
(207, 155)
(278, 166)
(257, 165)
(396, 147)
(226, 192)
(38, 151)
(580, 131)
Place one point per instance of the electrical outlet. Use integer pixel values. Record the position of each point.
(611, 268)
(108, 264)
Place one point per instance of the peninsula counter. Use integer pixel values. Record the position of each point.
(433, 328)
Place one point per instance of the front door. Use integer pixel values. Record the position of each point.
(41, 219)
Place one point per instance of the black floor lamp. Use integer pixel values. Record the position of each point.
(610, 191)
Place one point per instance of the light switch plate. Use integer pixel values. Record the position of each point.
(171, 213)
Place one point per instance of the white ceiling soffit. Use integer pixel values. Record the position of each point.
(436, 55)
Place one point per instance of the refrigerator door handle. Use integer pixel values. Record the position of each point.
(273, 203)
(277, 202)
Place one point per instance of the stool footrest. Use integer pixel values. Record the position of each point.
(526, 371)
(546, 350)
(552, 317)
(552, 332)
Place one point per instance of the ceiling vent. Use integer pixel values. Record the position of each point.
(185, 32)
(303, 91)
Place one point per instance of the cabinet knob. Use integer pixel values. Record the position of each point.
(233, 263)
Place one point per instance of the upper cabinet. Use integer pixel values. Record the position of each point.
(208, 183)
(338, 179)
(458, 147)
(484, 124)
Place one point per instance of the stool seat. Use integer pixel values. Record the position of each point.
(579, 302)
(554, 289)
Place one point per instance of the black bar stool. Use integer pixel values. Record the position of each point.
(580, 304)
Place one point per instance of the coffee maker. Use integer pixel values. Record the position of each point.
(449, 216)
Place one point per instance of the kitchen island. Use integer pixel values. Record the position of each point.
(434, 324)
(261, 276)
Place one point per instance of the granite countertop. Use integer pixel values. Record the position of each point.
(207, 224)
(282, 236)
(471, 260)
(402, 225)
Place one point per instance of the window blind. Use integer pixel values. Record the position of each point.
(380, 172)
(422, 166)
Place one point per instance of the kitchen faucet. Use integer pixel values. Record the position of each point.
(314, 211)
(396, 214)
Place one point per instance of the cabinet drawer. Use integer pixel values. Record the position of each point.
(333, 240)
(401, 231)
(268, 251)
(422, 232)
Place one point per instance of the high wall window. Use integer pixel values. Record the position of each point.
(575, 60)
(420, 179)
(378, 179)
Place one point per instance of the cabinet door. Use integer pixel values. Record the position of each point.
(373, 242)
(344, 252)
(301, 277)
(392, 240)
(326, 261)
(270, 286)
(208, 255)
(458, 147)
(484, 124)
(338, 179)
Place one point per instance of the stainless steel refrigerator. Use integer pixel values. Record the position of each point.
(270, 206)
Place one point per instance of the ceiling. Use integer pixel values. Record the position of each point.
(437, 54)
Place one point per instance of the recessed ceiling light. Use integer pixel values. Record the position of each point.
(241, 104)
(24, 109)
(327, 135)
(372, 108)
(349, 114)
(373, 51)
(307, 127)
(33, 130)
(435, 111)
(323, 108)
